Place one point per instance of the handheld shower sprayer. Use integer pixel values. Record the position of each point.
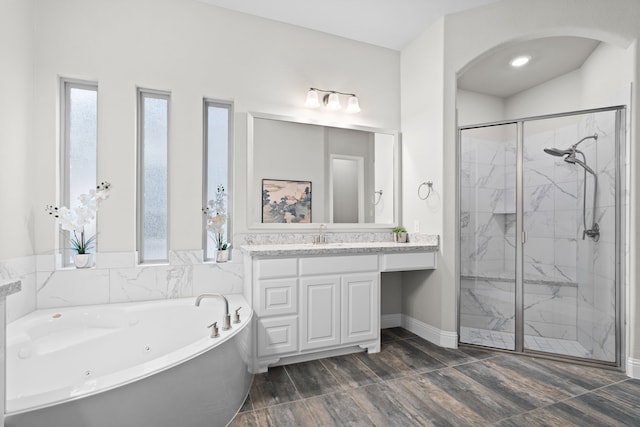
(570, 157)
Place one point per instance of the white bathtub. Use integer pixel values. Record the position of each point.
(137, 364)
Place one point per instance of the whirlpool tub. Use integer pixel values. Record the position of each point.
(136, 364)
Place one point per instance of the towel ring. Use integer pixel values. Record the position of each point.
(379, 194)
(428, 184)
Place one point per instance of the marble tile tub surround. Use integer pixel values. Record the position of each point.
(116, 278)
(9, 288)
(21, 269)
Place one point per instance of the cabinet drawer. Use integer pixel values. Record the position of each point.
(271, 268)
(338, 264)
(409, 261)
(277, 335)
(277, 297)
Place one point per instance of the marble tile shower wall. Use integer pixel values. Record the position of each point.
(488, 177)
(487, 303)
(551, 207)
(597, 260)
(484, 207)
(569, 282)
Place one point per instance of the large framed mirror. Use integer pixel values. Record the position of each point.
(302, 173)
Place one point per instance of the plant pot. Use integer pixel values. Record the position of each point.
(83, 260)
(222, 255)
(401, 237)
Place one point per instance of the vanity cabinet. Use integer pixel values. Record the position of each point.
(314, 301)
(301, 310)
(360, 307)
(320, 320)
(338, 310)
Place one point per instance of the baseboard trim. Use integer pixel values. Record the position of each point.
(430, 333)
(633, 368)
(390, 321)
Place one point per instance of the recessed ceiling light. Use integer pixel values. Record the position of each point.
(520, 61)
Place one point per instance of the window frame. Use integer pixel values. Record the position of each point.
(141, 94)
(66, 85)
(229, 106)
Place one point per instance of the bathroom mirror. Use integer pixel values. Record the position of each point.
(353, 173)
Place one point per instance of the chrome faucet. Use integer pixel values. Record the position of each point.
(321, 237)
(226, 321)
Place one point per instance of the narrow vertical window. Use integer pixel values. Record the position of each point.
(218, 118)
(153, 197)
(79, 125)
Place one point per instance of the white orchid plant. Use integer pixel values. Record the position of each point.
(216, 213)
(74, 220)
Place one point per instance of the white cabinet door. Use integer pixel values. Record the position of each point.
(360, 307)
(277, 335)
(319, 312)
(276, 297)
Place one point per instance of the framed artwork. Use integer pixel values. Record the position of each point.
(286, 201)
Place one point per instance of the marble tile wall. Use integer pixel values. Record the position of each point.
(597, 260)
(117, 277)
(488, 303)
(23, 269)
(486, 208)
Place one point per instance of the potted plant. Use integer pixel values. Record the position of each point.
(74, 220)
(216, 221)
(400, 235)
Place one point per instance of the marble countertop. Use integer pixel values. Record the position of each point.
(342, 248)
(9, 288)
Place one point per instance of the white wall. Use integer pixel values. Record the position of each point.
(16, 166)
(475, 108)
(422, 152)
(598, 83)
(559, 95)
(193, 50)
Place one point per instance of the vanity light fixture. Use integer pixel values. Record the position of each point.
(520, 61)
(331, 100)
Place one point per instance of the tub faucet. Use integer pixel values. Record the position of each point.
(226, 321)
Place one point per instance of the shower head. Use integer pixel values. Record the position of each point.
(557, 152)
(571, 151)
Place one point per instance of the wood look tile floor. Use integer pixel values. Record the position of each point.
(412, 382)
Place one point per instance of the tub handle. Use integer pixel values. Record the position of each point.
(214, 330)
(236, 318)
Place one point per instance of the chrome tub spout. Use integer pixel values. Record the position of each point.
(226, 321)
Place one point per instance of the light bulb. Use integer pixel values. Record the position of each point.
(312, 99)
(520, 61)
(353, 106)
(332, 101)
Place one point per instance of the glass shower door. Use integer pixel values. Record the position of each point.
(569, 219)
(487, 165)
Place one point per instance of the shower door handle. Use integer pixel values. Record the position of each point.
(524, 237)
